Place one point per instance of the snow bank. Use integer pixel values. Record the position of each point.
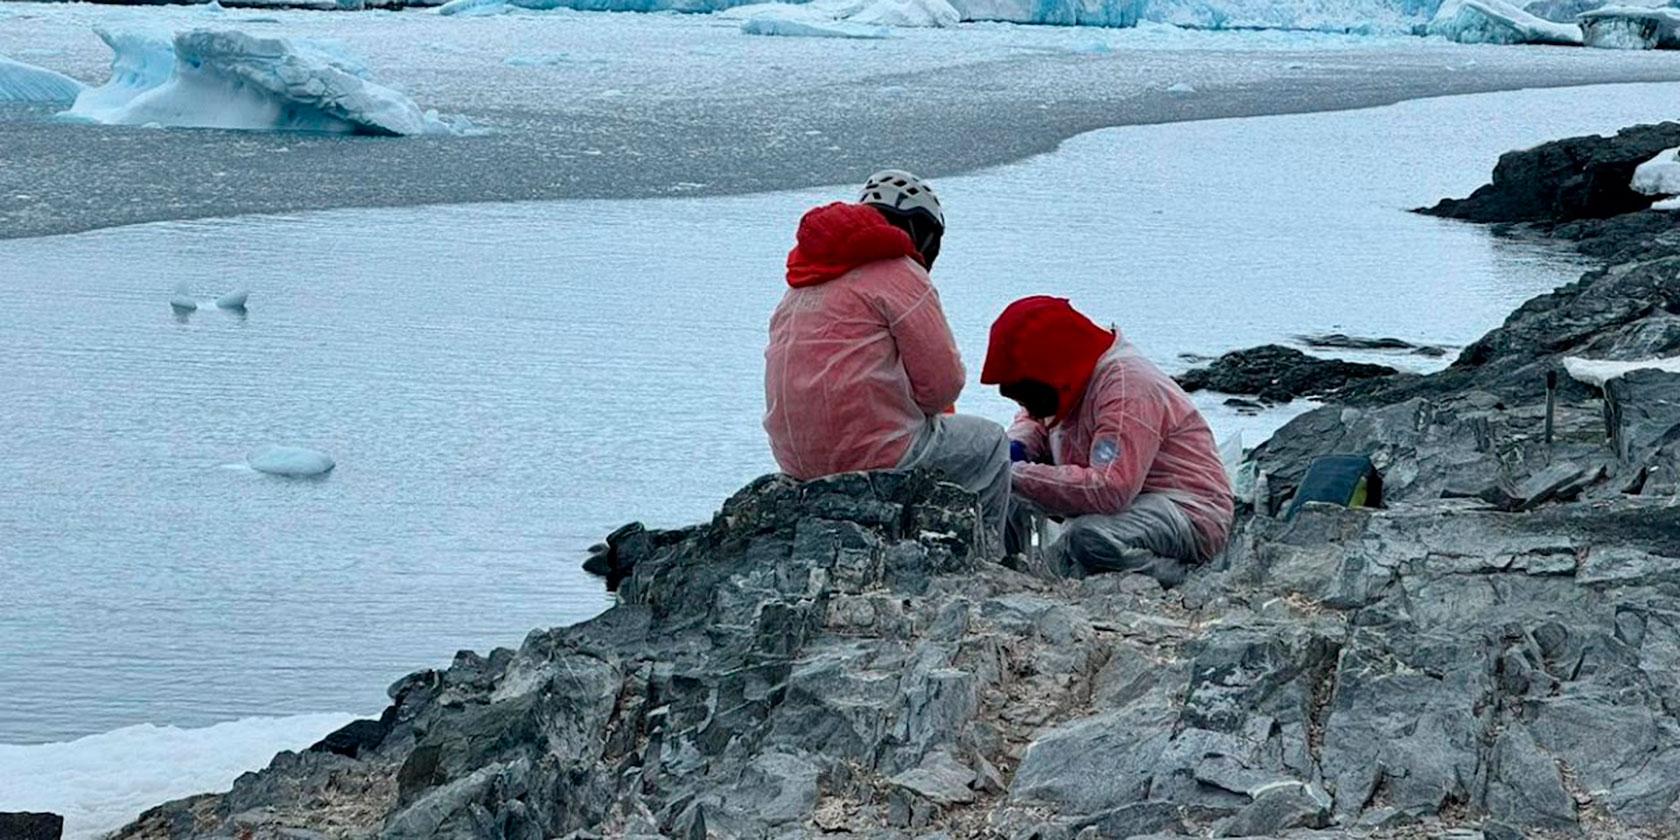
(228, 79)
(1596, 372)
(803, 28)
(1659, 175)
(100, 782)
(1631, 28)
(1498, 22)
(21, 82)
(291, 461)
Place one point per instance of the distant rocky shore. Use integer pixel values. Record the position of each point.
(1494, 655)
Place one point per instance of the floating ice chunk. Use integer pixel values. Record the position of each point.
(100, 782)
(233, 300)
(790, 27)
(1631, 28)
(1181, 89)
(912, 13)
(228, 79)
(551, 60)
(1596, 372)
(21, 82)
(475, 8)
(1498, 22)
(291, 461)
(183, 301)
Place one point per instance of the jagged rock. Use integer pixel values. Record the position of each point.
(27, 825)
(939, 779)
(1277, 374)
(1577, 178)
(1278, 808)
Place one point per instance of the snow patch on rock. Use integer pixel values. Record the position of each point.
(1597, 372)
(1660, 175)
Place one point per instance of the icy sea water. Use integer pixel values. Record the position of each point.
(502, 384)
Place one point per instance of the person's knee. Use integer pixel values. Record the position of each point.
(1088, 543)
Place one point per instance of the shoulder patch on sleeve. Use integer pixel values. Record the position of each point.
(1104, 451)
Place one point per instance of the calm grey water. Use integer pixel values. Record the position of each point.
(503, 384)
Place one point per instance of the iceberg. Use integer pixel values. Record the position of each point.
(1498, 22)
(1631, 28)
(140, 61)
(228, 79)
(291, 462)
(909, 13)
(233, 300)
(26, 83)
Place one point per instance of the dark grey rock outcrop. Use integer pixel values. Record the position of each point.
(834, 658)
(1277, 374)
(1565, 180)
(27, 825)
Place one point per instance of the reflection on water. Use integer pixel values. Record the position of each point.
(501, 385)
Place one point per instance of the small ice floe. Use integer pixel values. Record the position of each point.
(182, 301)
(795, 28)
(291, 462)
(1181, 89)
(233, 301)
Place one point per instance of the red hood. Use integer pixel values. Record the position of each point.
(836, 238)
(1046, 339)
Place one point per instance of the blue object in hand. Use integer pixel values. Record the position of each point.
(1017, 451)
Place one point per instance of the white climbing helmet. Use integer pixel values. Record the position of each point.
(904, 192)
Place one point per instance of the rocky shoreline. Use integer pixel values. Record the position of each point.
(1494, 655)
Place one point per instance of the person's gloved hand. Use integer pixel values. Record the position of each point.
(1017, 451)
